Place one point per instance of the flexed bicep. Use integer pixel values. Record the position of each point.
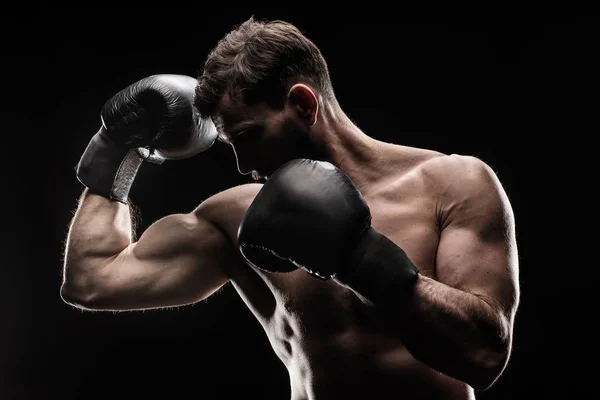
(178, 260)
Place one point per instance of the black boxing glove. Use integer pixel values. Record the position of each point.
(154, 119)
(310, 215)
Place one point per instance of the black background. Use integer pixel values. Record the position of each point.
(519, 94)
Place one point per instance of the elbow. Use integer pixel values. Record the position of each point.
(80, 292)
(490, 358)
(76, 297)
(485, 378)
(488, 366)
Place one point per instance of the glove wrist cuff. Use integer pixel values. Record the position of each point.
(107, 168)
(379, 270)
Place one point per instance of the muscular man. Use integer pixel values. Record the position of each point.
(377, 270)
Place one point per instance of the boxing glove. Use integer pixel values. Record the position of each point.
(310, 215)
(153, 119)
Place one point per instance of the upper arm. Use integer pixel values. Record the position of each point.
(180, 259)
(477, 252)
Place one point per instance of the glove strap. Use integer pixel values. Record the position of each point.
(109, 169)
(125, 175)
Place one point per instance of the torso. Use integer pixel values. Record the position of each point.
(332, 344)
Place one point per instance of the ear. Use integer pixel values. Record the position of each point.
(305, 102)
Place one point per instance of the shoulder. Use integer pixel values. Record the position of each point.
(236, 196)
(458, 169)
(466, 186)
(225, 209)
(455, 174)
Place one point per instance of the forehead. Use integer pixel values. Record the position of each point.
(233, 113)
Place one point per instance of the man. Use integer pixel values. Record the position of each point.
(377, 270)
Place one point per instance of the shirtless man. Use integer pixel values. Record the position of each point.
(377, 270)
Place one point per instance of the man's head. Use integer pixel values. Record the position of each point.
(263, 85)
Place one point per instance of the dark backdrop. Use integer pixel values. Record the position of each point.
(518, 94)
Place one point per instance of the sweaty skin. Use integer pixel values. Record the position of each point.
(449, 213)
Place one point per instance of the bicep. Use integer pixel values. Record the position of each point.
(477, 251)
(178, 260)
(484, 267)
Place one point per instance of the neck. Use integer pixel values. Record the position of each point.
(339, 141)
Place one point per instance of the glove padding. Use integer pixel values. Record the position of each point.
(307, 215)
(310, 215)
(154, 119)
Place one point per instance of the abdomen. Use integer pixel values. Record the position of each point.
(359, 365)
(335, 347)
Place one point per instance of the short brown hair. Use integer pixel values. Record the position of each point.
(260, 60)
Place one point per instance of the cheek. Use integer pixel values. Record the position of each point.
(280, 144)
(286, 133)
(281, 141)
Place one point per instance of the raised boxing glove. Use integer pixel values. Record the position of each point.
(153, 120)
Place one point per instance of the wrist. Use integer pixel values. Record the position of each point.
(379, 270)
(108, 168)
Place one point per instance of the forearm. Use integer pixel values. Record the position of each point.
(100, 229)
(452, 331)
